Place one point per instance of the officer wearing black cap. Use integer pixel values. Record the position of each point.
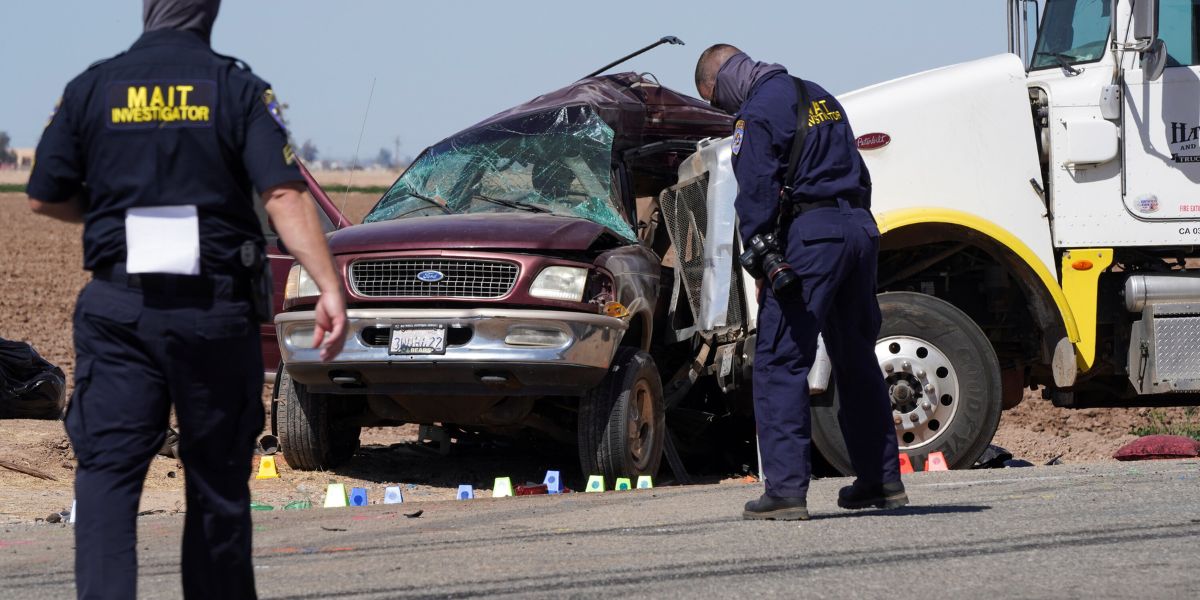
(803, 205)
(156, 151)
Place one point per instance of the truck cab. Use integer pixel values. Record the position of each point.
(1048, 196)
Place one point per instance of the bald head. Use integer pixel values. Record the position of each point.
(709, 64)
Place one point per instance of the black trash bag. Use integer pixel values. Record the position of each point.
(30, 387)
(993, 457)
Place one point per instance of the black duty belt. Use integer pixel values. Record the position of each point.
(803, 207)
(217, 286)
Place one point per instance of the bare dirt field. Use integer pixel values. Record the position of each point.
(335, 180)
(14, 176)
(40, 276)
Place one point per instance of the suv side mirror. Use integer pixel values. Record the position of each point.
(1145, 22)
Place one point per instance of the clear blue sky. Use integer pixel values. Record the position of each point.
(442, 65)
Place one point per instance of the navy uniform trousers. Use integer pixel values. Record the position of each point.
(143, 345)
(834, 251)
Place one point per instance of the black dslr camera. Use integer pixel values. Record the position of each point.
(762, 258)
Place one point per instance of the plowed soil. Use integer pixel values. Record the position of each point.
(41, 275)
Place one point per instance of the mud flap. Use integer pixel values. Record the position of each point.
(1064, 365)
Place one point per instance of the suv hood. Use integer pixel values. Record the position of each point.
(484, 231)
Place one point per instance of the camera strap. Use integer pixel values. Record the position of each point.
(803, 105)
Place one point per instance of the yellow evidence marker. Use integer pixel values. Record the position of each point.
(266, 468)
(644, 482)
(336, 496)
(595, 483)
(623, 484)
(502, 488)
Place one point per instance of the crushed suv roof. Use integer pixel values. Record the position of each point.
(637, 107)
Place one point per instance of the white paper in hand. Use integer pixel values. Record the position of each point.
(162, 239)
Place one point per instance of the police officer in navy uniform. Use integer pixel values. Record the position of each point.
(156, 151)
(828, 237)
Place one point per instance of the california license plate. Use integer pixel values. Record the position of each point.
(418, 339)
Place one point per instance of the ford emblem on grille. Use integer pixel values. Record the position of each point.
(430, 276)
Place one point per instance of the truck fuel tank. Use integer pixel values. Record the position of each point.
(1141, 290)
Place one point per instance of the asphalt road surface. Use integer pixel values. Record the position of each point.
(1112, 530)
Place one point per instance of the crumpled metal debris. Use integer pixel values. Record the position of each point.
(994, 457)
(170, 447)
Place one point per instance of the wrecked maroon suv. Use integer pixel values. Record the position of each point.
(513, 279)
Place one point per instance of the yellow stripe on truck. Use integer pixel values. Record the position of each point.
(897, 219)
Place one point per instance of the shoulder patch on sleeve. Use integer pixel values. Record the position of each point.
(274, 108)
(739, 132)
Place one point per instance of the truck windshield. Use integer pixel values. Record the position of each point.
(1073, 32)
(558, 161)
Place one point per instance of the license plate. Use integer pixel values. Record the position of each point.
(418, 339)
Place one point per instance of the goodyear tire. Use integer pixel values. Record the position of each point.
(622, 421)
(310, 437)
(943, 378)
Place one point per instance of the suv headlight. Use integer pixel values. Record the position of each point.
(560, 283)
(299, 285)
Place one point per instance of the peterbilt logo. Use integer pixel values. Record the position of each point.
(430, 276)
(873, 141)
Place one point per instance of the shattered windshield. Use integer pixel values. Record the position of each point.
(558, 161)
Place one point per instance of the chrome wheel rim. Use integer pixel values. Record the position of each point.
(922, 386)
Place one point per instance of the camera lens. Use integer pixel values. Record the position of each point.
(785, 283)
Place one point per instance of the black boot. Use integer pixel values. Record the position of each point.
(868, 495)
(772, 508)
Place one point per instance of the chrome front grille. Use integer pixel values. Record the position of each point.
(461, 278)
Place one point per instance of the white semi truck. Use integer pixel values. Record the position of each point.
(1040, 214)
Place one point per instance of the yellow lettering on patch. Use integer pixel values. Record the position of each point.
(819, 113)
(162, 103)
(183, 92)
(137, 96)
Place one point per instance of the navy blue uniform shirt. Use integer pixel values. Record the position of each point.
(169, 122)
(830, 165)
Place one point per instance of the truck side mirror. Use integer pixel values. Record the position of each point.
(1145, 35)
(1154, 60)
(1145, 22)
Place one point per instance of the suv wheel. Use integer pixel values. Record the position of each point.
(310, 437)
(622, 421)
